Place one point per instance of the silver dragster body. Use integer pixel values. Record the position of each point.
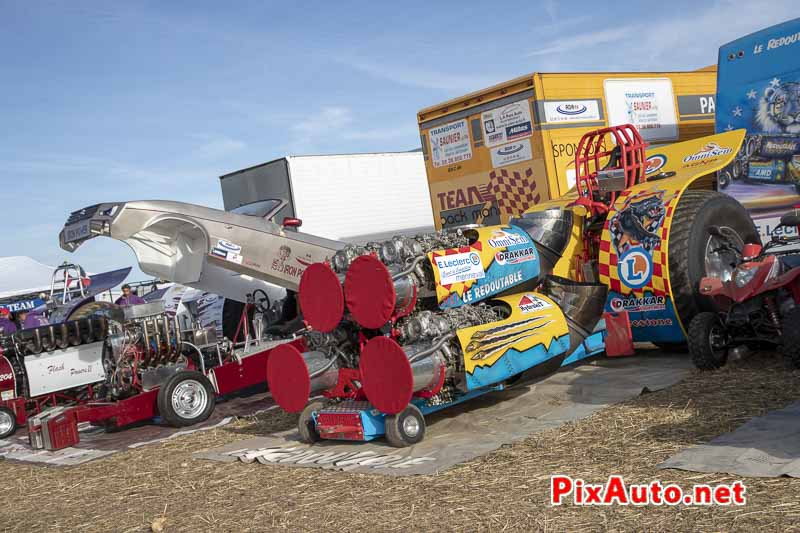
(226, 253)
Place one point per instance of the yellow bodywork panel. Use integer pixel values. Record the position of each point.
(527, 335)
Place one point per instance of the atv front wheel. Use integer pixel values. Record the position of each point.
(708, 341)
(694, 253)
(791, 337)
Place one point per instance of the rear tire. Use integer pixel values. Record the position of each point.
(8, 422)
(708, 341)
(688, 237)
(306, 425)
(791, 337)
(186, 398)
(406, 428)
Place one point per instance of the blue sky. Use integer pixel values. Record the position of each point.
(111, 100)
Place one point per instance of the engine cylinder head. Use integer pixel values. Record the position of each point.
(294, 376)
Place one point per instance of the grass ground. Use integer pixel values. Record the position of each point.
(161, 486)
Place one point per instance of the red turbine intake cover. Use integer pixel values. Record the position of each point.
(369, 292)
(321, 297)
(386, 375)
(288, 378)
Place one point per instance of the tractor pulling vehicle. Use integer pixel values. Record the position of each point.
(117, 366)
(411, 325)
(439, 319)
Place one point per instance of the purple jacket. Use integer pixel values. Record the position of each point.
(133, 299)
(7, 326)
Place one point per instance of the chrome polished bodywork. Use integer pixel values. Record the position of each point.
(226, 253)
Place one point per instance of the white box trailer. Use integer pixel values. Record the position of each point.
(347, 197)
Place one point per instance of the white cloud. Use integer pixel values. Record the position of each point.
(422, 77)
(216, 148)
(686, 39)
(329, 119)
(582, 41)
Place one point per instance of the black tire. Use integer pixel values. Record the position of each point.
(198, 399)
(723, 179)
(705, 331)
(791, 337)
(406, 428)
(306, 425)
(8, 422)
(688, 236)
(674, 347)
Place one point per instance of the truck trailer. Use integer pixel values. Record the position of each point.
(494, 153)
(390, 191)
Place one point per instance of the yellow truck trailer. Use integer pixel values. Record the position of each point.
(492, 154)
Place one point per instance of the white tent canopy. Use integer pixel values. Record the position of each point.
(23, 275)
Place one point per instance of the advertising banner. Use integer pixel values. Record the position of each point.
(647, 103)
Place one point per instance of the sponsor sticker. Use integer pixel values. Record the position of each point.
(571, 110)
(450, 143)
(507, 123)
(633, 304)
(228, 251)
(654, 163)
(503, 239)
(511, 153)
(461, 267)
(635, 268)
(514, 257)
(708, 151)
(530, 303)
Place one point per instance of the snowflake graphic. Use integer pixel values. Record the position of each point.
(775, 82)
(737, 111)
(751, 95)
(728, 127)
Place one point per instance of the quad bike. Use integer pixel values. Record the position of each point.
(757, 302)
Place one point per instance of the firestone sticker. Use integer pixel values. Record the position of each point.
(507, 123)
(456, 268)
(450, 143)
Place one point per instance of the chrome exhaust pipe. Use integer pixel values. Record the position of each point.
(550, 231)
(581, 303)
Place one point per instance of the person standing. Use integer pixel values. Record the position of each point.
(129, 297)
(7, 327)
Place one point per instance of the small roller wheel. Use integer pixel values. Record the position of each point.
(186, 398)
(406, 428)
(8, 422)
(306, 425)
